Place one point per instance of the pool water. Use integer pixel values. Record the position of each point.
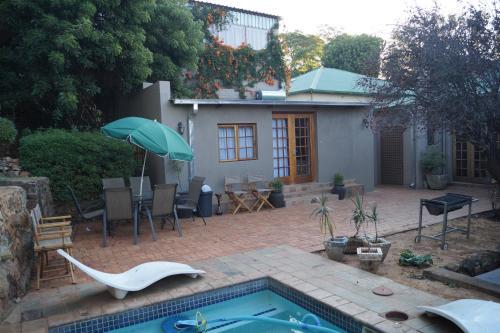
(266, 302)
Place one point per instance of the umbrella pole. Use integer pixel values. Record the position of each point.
(142, 174)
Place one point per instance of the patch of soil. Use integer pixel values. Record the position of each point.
(485, 235)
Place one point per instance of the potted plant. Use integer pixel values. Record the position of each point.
(358, 218)
(433, 164)
(384, 244)
(334, 246)
(276, 198)
(338, 185)
(369, 258)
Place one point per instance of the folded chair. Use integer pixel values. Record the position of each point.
(234, 189)
(163, 206)
(85, 213)
(48, 237)
(189, 201)
(136, 278)
(257, 186)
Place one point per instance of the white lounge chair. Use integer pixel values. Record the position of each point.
(136, 278)
(470, 315)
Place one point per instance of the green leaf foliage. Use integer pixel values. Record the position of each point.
(354, 53)
(303, 52)
(78, 159)
(444, 72)
(408, 258)
(8, 131)
(432, 160)
(65, 62)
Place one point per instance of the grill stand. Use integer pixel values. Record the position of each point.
(446, 229)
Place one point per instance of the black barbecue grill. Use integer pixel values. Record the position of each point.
(442, 206)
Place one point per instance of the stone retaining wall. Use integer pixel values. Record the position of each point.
(37, 191)
(16, 246)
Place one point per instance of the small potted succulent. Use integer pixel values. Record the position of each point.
(359, 218)
(338, 185)
(334, 245)
(433, 163)
(383, 243)
(276, 198)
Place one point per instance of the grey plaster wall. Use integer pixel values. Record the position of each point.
(345, 145)
(205, 143)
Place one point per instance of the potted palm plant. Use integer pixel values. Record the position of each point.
(338, 185)
(276, 198)
(334, 245)
(359, 218)
(383, 243)
(433, 163)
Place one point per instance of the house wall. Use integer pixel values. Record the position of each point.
(345, 145)
(205, 143)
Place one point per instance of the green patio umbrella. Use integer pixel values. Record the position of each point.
(151, 136)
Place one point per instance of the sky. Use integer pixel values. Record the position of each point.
(376, 17)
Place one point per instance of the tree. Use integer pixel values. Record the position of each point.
(358, 54)
(444, 72)
(304, 52)
(62, 61)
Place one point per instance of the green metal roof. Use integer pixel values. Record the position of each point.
(328, 81)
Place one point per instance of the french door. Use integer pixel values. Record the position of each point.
(293, 147)
(469, 163)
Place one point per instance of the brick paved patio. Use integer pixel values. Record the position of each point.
(228, 234)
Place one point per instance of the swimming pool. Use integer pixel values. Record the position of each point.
(265, 303)
(248, 298)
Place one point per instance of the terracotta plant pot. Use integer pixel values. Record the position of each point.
(334, 248)
(369, 258)
(383, 243)
(353, 243)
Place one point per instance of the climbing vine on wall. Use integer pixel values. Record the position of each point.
(238, 68)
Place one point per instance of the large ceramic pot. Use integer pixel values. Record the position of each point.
(369, 258)
(334, 248)
(436, 182)
(277, 199)
(383, 243)
(353, 243)
(340, 191)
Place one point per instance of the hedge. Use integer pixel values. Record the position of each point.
(8, 131)
(80, 159)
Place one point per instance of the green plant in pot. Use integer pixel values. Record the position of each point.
(433, 163)
(334, 246)
(276, 198)
(359, 218)
(383, 243)
(338, 185)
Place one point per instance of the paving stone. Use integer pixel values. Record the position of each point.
(34, 326)
(388, 326)
(61, 319)
(334, 301)
(305, 287)
(319, 294)
(369, 317)
(10, 328)
(351, 309)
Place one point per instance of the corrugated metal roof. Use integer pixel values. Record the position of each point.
(329, 81)
(181, 101)
(235, 9)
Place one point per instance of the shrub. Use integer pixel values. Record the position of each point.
(80, 159)
(432, 160)
(338, 179)
(8, 131)
(276, 184)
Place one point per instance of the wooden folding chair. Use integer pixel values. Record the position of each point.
(52, 219)
(234, 189)
(261, 194)
(51, 236)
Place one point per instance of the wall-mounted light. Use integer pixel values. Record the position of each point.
(366, 123)
(180, 128)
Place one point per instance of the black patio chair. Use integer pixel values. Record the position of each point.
(189, 201)
(86, 212)
(163, 206)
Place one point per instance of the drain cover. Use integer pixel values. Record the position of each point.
(382, 291)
